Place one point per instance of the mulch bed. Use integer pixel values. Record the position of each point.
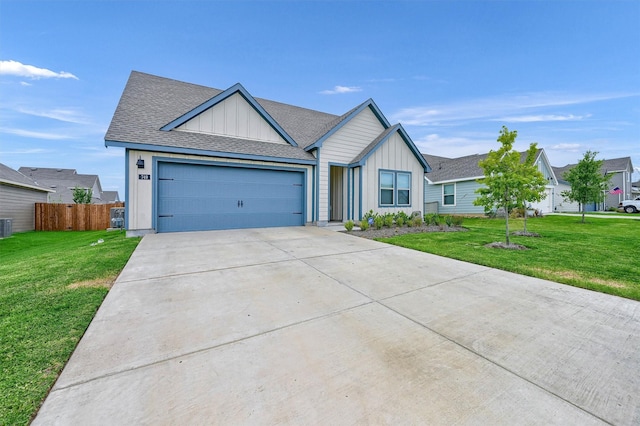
(385, 232)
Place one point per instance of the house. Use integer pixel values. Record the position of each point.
(199, 158)
(452, 182)
(620, 185)
(63, 182)
(18, 195)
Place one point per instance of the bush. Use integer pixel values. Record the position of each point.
(364, 224)
(458, 220)
(349, 225)
(401, 218)
(432, 219)
(416, 221)
(448, 219)
(388, 220)
(378, 222)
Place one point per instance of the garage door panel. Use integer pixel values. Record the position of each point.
(201, 197)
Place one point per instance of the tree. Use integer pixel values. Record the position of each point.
(82, 196)
(588, 183)
(533, 181)
(509, 182)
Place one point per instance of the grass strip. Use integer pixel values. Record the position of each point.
(51, 285)
(600, 255)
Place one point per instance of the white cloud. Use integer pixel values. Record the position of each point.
(541, 117)
(569, 147)
(67, 115)
(341, 89)
(18, 69)
(32, 134)
(493, 108)
(24, 83)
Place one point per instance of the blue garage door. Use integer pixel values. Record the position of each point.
(193, 197)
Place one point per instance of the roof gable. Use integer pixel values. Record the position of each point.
(361, 159)
(335, 125)
(237, 89)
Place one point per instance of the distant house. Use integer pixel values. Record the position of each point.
(452, 182)
(200, 158)
(63, 182)
(18, 195)
(620, 185)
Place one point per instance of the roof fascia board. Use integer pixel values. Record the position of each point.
(25, 185)
(407, 140)
(236, 88)
(465, 179)
(221, 154)
(366, 104)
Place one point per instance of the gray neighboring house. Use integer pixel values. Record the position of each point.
(620, 169)
(18, 195)
(451, 184)
(63, 181)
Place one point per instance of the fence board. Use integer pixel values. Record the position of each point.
(73, 217)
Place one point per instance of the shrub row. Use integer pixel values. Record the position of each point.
(400, 219)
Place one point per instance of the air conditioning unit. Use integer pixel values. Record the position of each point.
(5, 228)
(117, 217)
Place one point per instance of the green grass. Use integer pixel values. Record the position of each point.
(601, 254)
(51, 284)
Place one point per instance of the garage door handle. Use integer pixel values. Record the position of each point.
(165, 215)
(240, 203)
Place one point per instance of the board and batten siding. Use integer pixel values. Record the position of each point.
(140, 192)
(233, 117)
(18, 203)
(464, 197)
(341, 148)
(394, 155)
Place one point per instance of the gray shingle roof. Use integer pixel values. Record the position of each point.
(8, 175)
(150, 102)
(608, 166)
(62, 181)
(463, 168)
(446, 169)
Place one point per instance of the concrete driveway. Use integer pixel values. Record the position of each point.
(310, 326)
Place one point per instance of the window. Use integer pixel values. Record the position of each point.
(404, 189)
(395, 188)
(386, 188)
(449, 194)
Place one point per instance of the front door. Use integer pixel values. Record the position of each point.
(336, 193)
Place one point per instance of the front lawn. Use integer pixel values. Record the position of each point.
(601, 255)
(51, 284)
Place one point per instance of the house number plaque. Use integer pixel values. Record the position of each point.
(144, 177)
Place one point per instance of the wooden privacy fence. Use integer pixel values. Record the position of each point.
(73, 217)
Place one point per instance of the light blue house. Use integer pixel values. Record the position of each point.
(451, 184)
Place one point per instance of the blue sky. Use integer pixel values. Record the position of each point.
(565, 74)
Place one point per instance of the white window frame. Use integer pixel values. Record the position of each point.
(448, 195)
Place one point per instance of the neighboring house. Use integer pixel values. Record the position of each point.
(635, 190)
(199, 158)
(620, 185)
(63, 182)
(18, 195)
(452, 182)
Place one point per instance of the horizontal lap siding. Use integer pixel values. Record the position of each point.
(465, 195)
(18, 204)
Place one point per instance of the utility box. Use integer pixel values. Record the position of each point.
(117, 217)
(5, 227)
